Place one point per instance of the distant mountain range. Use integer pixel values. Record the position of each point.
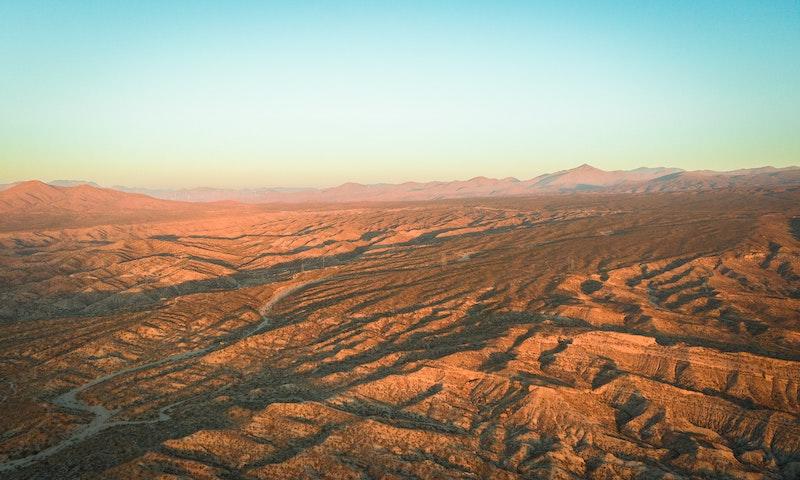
(580, 179)
(584, 178)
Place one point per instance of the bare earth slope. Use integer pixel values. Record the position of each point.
(586, 336)
(34, 204)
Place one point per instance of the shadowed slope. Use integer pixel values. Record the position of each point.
(623, 336)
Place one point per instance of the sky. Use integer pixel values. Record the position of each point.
(246, 94)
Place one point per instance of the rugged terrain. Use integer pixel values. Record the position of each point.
(585, 336)
(579, 179)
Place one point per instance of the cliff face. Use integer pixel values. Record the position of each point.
(608, 337)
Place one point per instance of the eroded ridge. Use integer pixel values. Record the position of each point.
(560, 337)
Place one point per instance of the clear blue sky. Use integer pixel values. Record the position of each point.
(182, 94)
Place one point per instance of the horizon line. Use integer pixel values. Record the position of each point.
(421, 182)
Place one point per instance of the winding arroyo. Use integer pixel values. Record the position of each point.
(561, 337)
(103, 417)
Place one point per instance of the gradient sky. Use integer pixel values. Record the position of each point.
(242, 94)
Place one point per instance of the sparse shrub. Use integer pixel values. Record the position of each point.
(590, 286)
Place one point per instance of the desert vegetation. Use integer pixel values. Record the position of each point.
(561, 336)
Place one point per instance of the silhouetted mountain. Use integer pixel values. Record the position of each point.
(584, 178)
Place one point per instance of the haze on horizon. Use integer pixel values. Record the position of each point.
(244, 94)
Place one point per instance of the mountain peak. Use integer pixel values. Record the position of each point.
(72, 183)
(352, 185)
(480, 180)
(585, 167)
(32, 186)
(32, 189)
(26, 194)
(37, 196)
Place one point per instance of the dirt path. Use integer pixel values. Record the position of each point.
(103, 416)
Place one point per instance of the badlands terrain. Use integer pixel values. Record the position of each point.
(591, 335)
